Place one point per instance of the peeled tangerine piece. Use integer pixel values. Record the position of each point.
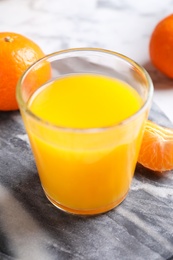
(156, 151)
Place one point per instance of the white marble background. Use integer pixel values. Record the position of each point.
(120, 25)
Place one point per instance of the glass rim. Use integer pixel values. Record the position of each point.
(23, 105)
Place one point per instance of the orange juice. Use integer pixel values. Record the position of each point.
(86, 160)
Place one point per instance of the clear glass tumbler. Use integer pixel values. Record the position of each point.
(85, 171)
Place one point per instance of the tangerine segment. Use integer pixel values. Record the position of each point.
(156, 152)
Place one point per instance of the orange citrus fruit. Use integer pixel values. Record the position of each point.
(161, 46)
(17, 53)
(156, 151)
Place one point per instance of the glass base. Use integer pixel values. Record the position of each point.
(88, 212)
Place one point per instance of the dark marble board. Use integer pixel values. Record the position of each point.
(141, 228)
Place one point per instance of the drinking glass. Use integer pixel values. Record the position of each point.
(85, 171)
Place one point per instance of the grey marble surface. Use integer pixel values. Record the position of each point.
(141, 228)
(31, 228)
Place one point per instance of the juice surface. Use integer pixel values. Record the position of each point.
(85, 172)
(85, 101)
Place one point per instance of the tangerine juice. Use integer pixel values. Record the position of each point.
(84, 155)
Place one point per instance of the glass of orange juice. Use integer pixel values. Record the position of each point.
(84, 111)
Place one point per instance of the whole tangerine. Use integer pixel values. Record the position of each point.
(17, 53)
(161, 46)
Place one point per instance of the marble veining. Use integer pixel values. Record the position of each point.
(141, 228)
(31, 228)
